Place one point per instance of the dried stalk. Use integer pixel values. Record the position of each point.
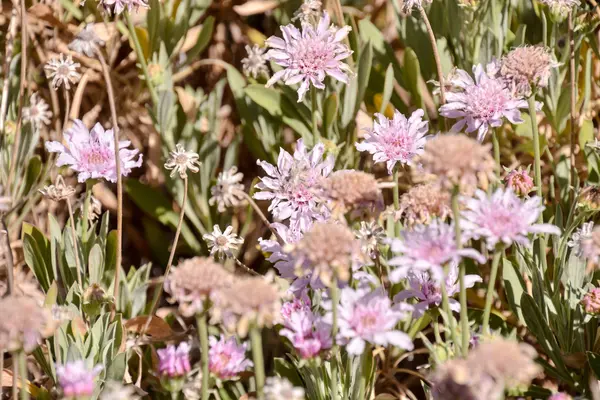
(8, 56)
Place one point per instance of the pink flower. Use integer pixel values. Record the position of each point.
(427, 248)
(560, 396)
(368, 316)
(76, 380)
(289, 185)
(591, 301)
(503, 217)
(428, 291)
(310, 54)
(174, 362)
(226, 358)
(481, 103)
(396, 140)
(92, 154)
(519, 181)
(118, 6)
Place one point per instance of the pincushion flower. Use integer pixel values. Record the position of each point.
(527, 67)
(561, 7)
(427, 248)
(396, 140)
(519, 181)
(62, 71)
(308, 333)
(38, 112)
(502, 217)
(309, 55)
(366, 316)
(180, 161)
(277, 388)
(222, 244)
(481, 103)
(423, 203)
(228, 191)
(226, 358)
(76, 380)
(24, 322)
(591, 301)
(290, 185)
(174, 361)
(92, 154)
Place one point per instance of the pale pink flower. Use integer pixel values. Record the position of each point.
(428, 291)
(427, 248)
(368, 316)
(118, 6)
(561, 7)
(290, 185)
(591, 301)
(226, 358)
(174, 361)
(481, 103)
(502, 217)
(519, 181)
(396, 140)
(306, 330)
(92, 154)
(309, 55)
(560, 396)
(76, 380)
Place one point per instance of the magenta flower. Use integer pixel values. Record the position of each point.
(76, 380)
(118, 6)
(519, 181)
(309, 55)
(307, 331)
(427, 248)
(503, 218)
(226, 358)
(428, 291)
(397, 140)
(174, 362)
(92, 154)
(481, 103)
(290, 185)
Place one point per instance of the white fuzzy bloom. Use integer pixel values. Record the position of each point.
(255, 63)
(277, 388)
(38, 112)
(181, 160)
(86, 42)
(62, 71)
(222, 243)
(579, 236)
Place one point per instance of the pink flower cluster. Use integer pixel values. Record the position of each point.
(76, 380)
(174, 362)
(226, 358)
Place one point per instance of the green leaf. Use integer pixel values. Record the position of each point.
(116, 370)
(388, 87)
(364, 72)
(586, 133)
(203, 38)
(514, 287)
(330, 110)
(96, 264)
(51, 295)
(412, 75)
(34, 169)
(594, 361)
(36, 248)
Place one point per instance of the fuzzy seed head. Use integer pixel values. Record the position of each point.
(422, 203)
(527, 67)
(353, 191)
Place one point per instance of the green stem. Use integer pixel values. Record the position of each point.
(141, 58)
(86, 210)
(203, 336)
(496, 144)
(23, 373)
(464, 317)
(335, 299)
(448, 312)
(363, 373)
(314, 105)
(489, 296)
(396, 193)
(259, 364)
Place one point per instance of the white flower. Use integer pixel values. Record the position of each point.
(228, 191)
(255, 63)
(37, 113)
(182, 160)
(277, 388)
(86, 42)
(114, 390)
(63, 71)
(222, 243)
(577, 238)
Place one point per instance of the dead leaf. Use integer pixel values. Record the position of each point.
(157, 328)
(44, 13)
(188, 103)
(253, 7)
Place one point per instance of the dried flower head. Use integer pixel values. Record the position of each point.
(114, 390)
(92, 153)
(396, 140)
(226, 358)
(181, 160)
(481, 103)
(118, 6)
(409, 5)
(255, 62)
(309, 55)
(579, 236)
(309, 12)
(174, 361)
(326, 251)
(423, 203)
(519, 181)
(87, 41)
(526, 68)
(24, 323)
(94, 210)
(277, 388)
(591, 301)
(59, 191)
(221, 243)
(458, 160)
(454, 380)
(76, 380)
(370, 235)
(194, 281)
(63, 71)
(38, 112)
(352, 191)
(589, 198)
(561, 7)
(228, 191)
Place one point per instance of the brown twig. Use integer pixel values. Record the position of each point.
(8, 56)
(262, 216)
(573, 96)
(436, 54)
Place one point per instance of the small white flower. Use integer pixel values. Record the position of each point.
(37, 113)
(222, 243)
(228, 191)
(255, 63)
(277, 388)
(182, 160)
(86, 42)
(63, 71)
(577, 238)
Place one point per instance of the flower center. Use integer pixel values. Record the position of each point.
(97, 157)
(222, 241)
(63, 70)
(181, 159)
(487, 99)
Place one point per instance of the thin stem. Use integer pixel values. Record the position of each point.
(315, 124)
(86, 209)
(115, 123)
(23, 373)
(396, 192)
(261, 215)
(363, 373)
(245, 267)
(67, 107)
(203, 336)
(573, 91)
(537, 169)
(2, 371)
(489, 296)
(448, 312)
(15, 382)
(141, 58)
(339, 16)
(75, 246)
(8, 56)
(464, 317)
(9, 258)
(496, 144)
(335, 299)
(436, 56)
(259, 364)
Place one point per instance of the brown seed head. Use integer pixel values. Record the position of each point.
(59, 191)
(424, 202)
(352, 191)
(527, 67)
(590, 198)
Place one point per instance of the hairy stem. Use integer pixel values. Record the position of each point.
(141, 58)
(448, 312)
(22, 360)
(436, 54)
(203, 336)
(8, 56)
(75, 246)
(489, 295)
(464, 317)
(573, 92)
(259, 364)
(86, 210)
(335, 299)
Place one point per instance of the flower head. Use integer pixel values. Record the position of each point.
(114, 390)
(561, 7)
(308, 333)
(290, 185)
(589, 198)
(94, 209)
(427, 248)
(352, 191)
(255, 62)
(174, 361)
(87, 41)
(63, 71)
(560, 396)
(118, 6)
(590, 246)
(370, 235)
(222, 243)
(228, 191)
(458, 160)
(481, 103)
(502, 217)
(195, 281)
(368, 316)
(76, 380)
(591, 301)
(226, 358)
(396, 140)
(181, 160)
(309, 55)
(92, 153)
(519, 181)
(37, 113)
(24, 323)
(579, 236)
(59, 191)
(423, 203)
(527, 67)
(277, 388)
